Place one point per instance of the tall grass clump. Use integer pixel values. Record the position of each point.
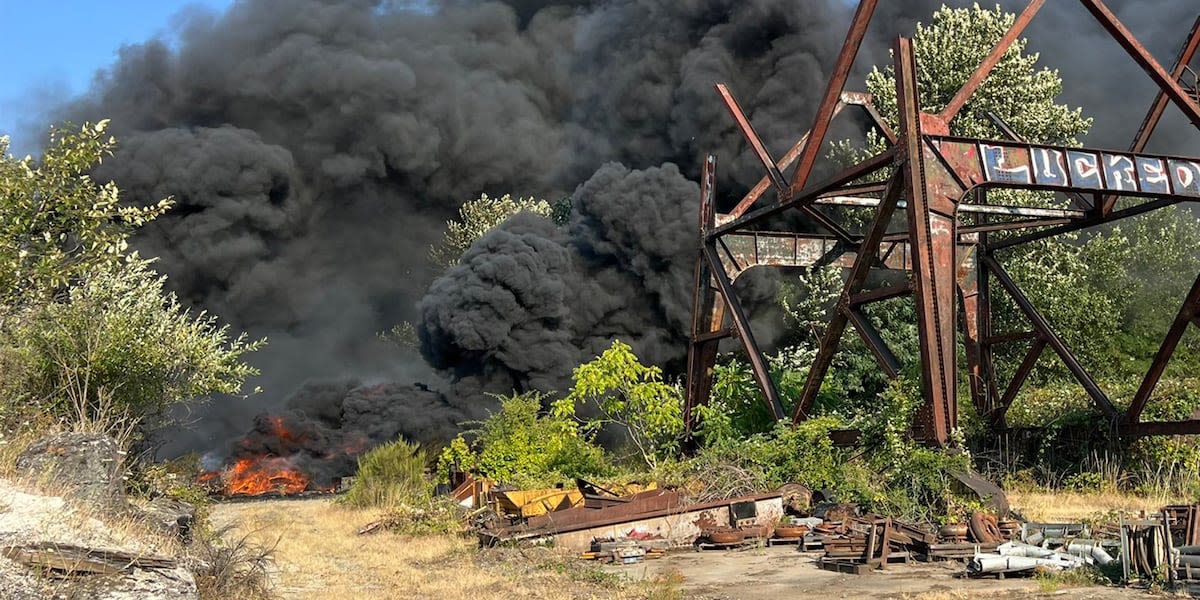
(390, 476)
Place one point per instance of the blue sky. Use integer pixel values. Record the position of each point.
(52, 49)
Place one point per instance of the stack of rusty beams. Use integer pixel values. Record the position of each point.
(663, 512)
(863, 544)
(960, 550)
(1183, 522)
(1145, 548)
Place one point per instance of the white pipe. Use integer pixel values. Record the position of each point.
(1023, 549)
(1090, 551)
(994, 563)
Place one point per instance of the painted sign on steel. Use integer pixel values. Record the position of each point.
(1014, 164)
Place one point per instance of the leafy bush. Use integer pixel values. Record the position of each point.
(389, 476)
(521, 446)
(630, 396)
(89, 356)
(731, 466)
(87, 333)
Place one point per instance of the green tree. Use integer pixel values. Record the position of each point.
(476, 218)
(56, 223)
(947, 53)
(118, 348)
(630, 396)
(522, 446)
(87, 332)
(1055, 272)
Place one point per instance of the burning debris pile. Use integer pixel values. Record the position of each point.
(315, 442)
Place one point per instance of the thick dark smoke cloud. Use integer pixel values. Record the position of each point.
(315, 148)
(531, 299)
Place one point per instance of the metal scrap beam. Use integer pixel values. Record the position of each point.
(1159, 106)
(1142, 57)
(875, 163)
(1187, 313)
(1051, 337)
(837, 323)
(756, 144)
(875, 343)
(833, 92)
(1086, 223)
(1014, 386)
(702, 348)
(993, 58)
(758, 362)
(933, 239)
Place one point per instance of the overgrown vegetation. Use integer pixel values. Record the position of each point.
(390, 476)
(232, 566)
(477, 217)
(1110, 292)
(521, 445)
(77, 309)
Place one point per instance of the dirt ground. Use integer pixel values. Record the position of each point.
(319, 554)
(783, 572)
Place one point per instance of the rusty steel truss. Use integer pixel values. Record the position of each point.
(936, 179)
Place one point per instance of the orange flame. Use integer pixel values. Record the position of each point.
(258, 476)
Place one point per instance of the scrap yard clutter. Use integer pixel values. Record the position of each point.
(575, 298)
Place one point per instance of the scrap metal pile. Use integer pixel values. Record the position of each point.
(642, 522)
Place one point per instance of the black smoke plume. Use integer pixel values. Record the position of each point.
(315, 148)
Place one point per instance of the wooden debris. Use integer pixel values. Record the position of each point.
(69, 559)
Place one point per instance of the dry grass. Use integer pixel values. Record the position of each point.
(1064, 507)
(320, 555)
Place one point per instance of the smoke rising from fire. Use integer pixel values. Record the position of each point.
(315, 148)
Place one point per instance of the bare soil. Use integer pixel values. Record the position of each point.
(320, 555)
(783, 572)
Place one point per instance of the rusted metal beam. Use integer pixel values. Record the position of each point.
(1159, 106)
(1018, 380)
(993, 58)
(880, 294)
(933, 240)
(1051, 337)
(867, 103)
(758, 362)
(1009, 133)
(1014, 211)
(1011, 225)
(756, 144)
(875, 163)
(709, 336)
(765, 182)
(1016, 336)
(986, 330)
(879, 348)
(838, 320)
(1086, 223)
(702, 347)
(1143, 58)
(833, 92)
(1187, 313)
